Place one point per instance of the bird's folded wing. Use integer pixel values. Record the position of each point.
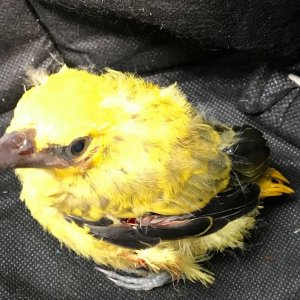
(152, 229)
(249, 155)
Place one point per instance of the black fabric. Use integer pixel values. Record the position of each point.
(247, 24)
(231, 59)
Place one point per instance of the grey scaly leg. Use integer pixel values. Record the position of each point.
(146, 280)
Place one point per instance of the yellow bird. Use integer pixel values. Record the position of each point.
(132, 176)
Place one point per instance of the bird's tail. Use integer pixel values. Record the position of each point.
(273, 183)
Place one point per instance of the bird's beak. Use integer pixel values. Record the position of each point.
(18, 150)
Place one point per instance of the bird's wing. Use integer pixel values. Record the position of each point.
(249, 155)
(151, 229)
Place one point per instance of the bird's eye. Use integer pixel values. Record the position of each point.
(78, 146)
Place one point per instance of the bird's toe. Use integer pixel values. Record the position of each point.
(146, 280)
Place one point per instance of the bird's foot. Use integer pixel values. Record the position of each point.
(273, 183)
(138, 279)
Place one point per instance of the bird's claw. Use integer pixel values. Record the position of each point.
(145, 281)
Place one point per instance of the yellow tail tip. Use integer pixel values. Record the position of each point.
(273, 183)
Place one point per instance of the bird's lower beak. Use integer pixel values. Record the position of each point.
(18, 150)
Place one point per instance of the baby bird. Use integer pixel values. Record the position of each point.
(132, 176)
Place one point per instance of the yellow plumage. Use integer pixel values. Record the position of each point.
(149, 151)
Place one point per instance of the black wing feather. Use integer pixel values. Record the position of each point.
(249, 156)
(124, 235)
(222, 209)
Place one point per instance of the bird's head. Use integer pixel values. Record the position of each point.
(68, 120)
(61, 123)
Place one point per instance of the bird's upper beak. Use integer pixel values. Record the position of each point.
(18, 150)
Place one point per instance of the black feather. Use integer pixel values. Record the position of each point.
(195, 226)
(249, 156)
(124, 235)
(222, 209)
